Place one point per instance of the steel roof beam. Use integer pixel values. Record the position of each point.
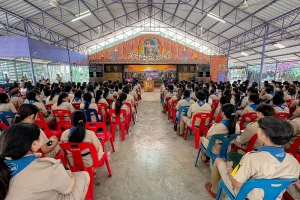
(174, 12)
(189, 12)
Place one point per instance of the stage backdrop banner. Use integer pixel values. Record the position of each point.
(158, 73)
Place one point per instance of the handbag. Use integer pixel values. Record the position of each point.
(175, 126)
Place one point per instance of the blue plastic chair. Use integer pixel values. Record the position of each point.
(225, 138)
(181, 109)
(271, 187)
(88, 113)
(4, 114)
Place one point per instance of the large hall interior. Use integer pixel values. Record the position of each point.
(149, 99)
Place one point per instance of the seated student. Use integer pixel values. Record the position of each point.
(112, 93)
(227, 125)
(120, 87)
(198, 107)
(185, 101)
(278, 104)
(63, 104)
(228, 93)
(99, 98)
(51, 182)
(129, 98)
(290, 94)
(295, 122)
(208, 99)
(236, 95)
(137, 87)
(78, 133)
(5, 105)
(254, 102)
(223, 100)
(168, 94)
(193, 94)
(245, 102)
(88, 104)
(27, 113)
(69, 91)
(214, 95)
(52, 99)
(243, 139)
(118, 105)
(90, 89)
(131, 91)
(266, 96)
(15, 97)
(77, 97)
(270, 161)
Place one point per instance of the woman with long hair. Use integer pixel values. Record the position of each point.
(52, 99)
(118, 105)
(51, 180)
(89, 104)
(77, 97)
(78, 133)
(27, 113)
(5, 105)
(228, 125)
(15, 97)
(62, 103)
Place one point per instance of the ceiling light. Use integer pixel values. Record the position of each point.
(244, 54)
(216, 17)
(280, 46)
(150, 32)
(81, 15)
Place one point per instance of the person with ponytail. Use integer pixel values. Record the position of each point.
(15, 97)
(62, 103)
(130, 98)
(278, 104)
(118, 105)
(52, 99)
(5, 105)
(168, 94)
(20, 162)
(228, 124)
(99, 98)
(78, 133)
(77, 97)
(89, 104)
(200, 106)
(32, 98)
(131, 91)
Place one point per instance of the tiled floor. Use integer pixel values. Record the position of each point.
(153, 162)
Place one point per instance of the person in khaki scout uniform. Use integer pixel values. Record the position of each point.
(129, 98)
(227, 125)
(32, 99)
(52, 99)
(27, 113)
(118, 105)
(24, 175)
(214, 95)
(78, 133)
(266, 96)
(296, 125)
(270, 161)
(245, 102)
(198, 107)
(290, 94)
(254, 102)
(168, 94)
(5, 105)
(223, 100)
(69, 91)
(278, 104)
(88, 104)
(100, 99)
(243, 139)
(185, 101)
(77, 97)
(112, 93)
(193, 95)
(63, 104)
(15, 98)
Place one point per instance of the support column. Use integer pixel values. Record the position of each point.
(263, 54)
(227, 62)
(31, 64)
(275, 71)
(15, 68)
(70, 66)
(246, 72)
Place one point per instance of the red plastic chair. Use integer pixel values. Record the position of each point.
(101, 107)
(61, 114)
(75, 149)
(252, 116)
(49, 106)
(104, 136)
(218, 118)
(289, 102)
(249, 147)
(282, 115)
(115, 97)
(139, 93)
(110, 102)
(294, 148)
(198, 130)
(167, 105)
(76, 106)
(44, 126)
(131, 115)
(41, 117)
(287, 196)
(3, 126)
(16, 107)
(173, 110)
(292, 110)
(122, 125)
(215, 104)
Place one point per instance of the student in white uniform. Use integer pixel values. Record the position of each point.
(270, 161)
(33, 177)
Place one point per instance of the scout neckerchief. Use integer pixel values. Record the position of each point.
(56, 94)
(190, 91)
(76, 98)
(88, 103)
(63, 101)
(277, 152)
(72, 129)
(217, 94)
(171, 91)
(12, 96)
(16, 166)
(225, 122)
(187, 99)
(281, 106)
(253, 106)
(68, 92)
(112, 91)
(200, 102)
(32, 101)
(272, 93)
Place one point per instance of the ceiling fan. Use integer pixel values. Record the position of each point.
(246, 5)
